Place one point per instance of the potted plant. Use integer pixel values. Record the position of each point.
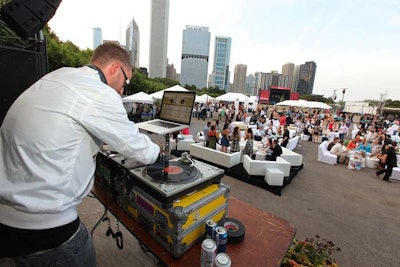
(311, 252)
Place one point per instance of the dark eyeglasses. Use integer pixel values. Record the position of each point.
(127, 81)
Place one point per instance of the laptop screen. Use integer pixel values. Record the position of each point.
(177, 106)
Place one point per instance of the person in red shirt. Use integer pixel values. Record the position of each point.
(282, 120)
(330, 125)
(354, 143)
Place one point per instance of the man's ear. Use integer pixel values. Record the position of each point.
(112, 69)
(115, 68)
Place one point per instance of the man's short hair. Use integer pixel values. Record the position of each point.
(394, 143)
(107, 52)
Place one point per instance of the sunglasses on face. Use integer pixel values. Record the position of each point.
(127, 81)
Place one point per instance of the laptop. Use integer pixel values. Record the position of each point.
(175, 114)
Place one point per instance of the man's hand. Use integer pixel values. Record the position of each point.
(162, 147)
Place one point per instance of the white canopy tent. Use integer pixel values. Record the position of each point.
(207, 97)
(253, 99)
(231, 97)
(160, 94)
(140, 97)
(304, 104)
(200, 100)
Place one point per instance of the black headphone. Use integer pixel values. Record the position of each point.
(101, 74)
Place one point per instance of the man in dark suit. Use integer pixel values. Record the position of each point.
(276, 150)
(389, 158)
(286, 135)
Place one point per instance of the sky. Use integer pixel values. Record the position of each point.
(355, 44)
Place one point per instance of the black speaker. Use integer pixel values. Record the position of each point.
(27, 17)
(19, 69)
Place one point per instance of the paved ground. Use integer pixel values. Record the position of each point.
(354, 209)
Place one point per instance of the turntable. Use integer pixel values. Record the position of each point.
(179, 171)
(168, 180)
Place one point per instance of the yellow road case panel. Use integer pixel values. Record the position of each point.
(182, 225)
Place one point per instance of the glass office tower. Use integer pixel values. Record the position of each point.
(222, 55)
(133, 42)
(305, 82)
(195, 56)
(97, 37)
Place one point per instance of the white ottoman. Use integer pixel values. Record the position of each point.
(273, 176)
(363, 160)
(371, 162)
(395, 173)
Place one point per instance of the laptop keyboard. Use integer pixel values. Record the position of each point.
(164, 124)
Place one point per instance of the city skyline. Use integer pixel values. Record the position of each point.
(353, 43)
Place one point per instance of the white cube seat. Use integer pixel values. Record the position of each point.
(371, 162)
(273, 176)
(395, 173)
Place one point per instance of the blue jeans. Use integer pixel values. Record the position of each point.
(341, 136)
(77, 251)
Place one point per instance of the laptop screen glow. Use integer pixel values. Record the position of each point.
(177, 106)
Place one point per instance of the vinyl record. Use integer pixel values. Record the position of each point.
(171, 172)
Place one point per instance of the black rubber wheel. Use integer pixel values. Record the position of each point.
(236, 230)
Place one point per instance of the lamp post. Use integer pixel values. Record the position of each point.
(343, 92)
(334, 95)
(382, 100)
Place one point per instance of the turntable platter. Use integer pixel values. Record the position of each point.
(172, 171)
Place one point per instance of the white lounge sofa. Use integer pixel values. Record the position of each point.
(183, 143)
(292, 144)
(281, 169)
(214, 157)
(295, 159)
(324, 155)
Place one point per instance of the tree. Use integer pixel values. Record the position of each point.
(319, 98)
(64, 54)
(165, 81)
(140, 83)
(392, 103)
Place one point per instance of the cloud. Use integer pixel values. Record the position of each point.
(395, 20)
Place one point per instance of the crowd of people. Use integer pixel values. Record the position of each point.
(271, 127)
(374, 137)
(377, 139)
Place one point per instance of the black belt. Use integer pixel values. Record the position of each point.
(18, 242)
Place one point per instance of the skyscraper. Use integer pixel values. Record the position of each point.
(195, 55)
(288, 69)
(306, 78)
(97, 37)
(251, 84)
(222, 54)
(171, 72)
(296, 78)
(158, 38)
(275, 79)
(239, 79)
(133, 42)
